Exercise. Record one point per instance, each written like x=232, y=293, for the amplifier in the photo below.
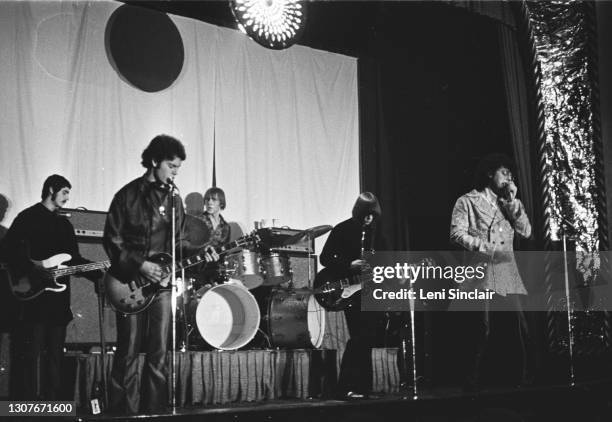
x=280, y=234
x=87, y=224
x=84, y=329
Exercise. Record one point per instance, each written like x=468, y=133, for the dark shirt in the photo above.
x=344, y=244
x=38, y=233
x=137, y=227
x=216, y=236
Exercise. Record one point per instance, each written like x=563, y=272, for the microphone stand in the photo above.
x=412, y=303
x=173, y=300
x=570, y=329
x=101, y=295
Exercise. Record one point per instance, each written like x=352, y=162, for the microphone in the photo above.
x=506, y=193
x=170, y=182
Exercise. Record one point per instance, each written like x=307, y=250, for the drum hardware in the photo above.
x=307, y=235
x=266, y=336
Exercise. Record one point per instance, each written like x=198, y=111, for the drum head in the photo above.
x=227, y=316
x=316, y=322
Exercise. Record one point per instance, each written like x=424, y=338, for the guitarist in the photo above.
x=138, y=226
x=38, y=233
x=343, y=253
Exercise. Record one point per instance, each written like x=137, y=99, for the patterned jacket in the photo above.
x=479, y=225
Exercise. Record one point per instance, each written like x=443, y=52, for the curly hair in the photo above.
x=162, y=147
x=488, y=165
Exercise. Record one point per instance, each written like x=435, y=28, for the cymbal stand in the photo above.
x=309, y=255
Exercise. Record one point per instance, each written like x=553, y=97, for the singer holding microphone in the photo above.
x=486, y=220
x=138, y=226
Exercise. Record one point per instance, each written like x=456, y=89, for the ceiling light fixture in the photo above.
x=275, y=24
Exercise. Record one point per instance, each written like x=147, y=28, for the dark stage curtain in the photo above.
x=439, y=88
x=432, y=103
x=518, y=114
x=379, y=172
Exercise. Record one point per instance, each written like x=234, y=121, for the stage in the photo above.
x=583, y=402
x=299, y=385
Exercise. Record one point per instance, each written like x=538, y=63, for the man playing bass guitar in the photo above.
x=37, y=234
x=139, y=226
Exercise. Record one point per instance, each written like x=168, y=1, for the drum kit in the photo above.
x=251, y=292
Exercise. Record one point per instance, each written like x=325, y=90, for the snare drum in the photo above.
x=226, y=315
x=276, y=269
x=295, y=320
x=246, y=267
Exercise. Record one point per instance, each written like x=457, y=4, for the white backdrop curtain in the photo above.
x=285, y=122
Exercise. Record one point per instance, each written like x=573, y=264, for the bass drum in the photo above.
x=295, y=320
x=226, y=316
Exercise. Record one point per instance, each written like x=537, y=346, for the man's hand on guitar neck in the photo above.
x=154, y=272
x=210, y=254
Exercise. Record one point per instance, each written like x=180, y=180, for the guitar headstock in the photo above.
x=248, y=240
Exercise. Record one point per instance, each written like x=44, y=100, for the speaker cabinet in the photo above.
x=84, y=329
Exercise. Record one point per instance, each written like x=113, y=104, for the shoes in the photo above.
x=354, y=396
x=405, y=386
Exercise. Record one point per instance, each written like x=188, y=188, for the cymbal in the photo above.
x=307, y=234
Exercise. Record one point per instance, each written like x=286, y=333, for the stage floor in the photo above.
x=589, y=401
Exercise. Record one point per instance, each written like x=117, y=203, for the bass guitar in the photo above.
x=134, y=296
x=43, y=275
x=334, y=293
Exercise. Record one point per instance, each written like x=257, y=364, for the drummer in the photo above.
x=211, y=228
x=218, y=230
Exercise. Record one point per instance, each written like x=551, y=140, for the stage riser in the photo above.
x=206, y=378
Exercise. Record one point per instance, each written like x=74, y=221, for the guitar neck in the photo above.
x=354, y=279
x=201, y=257
x=83, y=268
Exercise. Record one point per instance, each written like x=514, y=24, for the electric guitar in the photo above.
x=334, y=293
x=43, y=276
x=134, y=296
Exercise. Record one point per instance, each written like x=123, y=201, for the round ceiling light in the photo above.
x=274, y=24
